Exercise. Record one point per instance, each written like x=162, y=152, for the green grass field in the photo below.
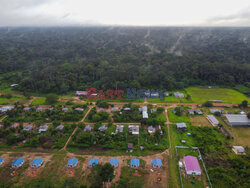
x=39, y=101
x=201, y=95
x=177, y=119
x=12, y=100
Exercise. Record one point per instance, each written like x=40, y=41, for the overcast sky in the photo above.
x=125, y=12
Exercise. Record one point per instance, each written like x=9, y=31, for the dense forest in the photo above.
x=67, y=59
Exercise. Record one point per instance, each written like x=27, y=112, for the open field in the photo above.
x=199, y=121
x=201, y=95
x=177, y=119
x=13, y=100
x=38, y=101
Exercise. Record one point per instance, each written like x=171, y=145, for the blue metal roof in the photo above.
x=156, y=163
x=114, y=162
x=37, y=162
x=93, y=161
x=134, y=162
x=1, y=160
x=72, y=162
x=18, y=162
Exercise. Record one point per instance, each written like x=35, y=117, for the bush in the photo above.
x=208, y=104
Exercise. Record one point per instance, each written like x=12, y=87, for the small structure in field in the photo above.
x=6, y=108
x=192, y=165
x=65, y=109
x=14, y=125
x=81, y=93
x=119, y=129
x=151, y=129
x=144, y=112
x=178, y=95
x=28, y=128
x=60, y=127
x=156, y=163
x=237, y=120
x=181, y=126
x=154, y=94
x=213, y=111
x=100, y=110
x=166, y=94
x=1, y=161
x=213, y=120
x=79, y=109
x=114, y=162
x=17, y=163
x=130, y=146
x=134, y=129
x=93, y=162
x=36, y=163
x=87, y=128
x=39, y=109
x=102, y=128
x=72, y=163
x=134, y=163
x=27, y=109
x=43, y=128
x=195, y=111
x=114, y=109
x=239, y=150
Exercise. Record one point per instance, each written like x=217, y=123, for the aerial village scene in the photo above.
x=174, y=141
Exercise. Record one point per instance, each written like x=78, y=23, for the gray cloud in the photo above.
x=242, y=18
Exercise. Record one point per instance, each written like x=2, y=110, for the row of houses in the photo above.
x=36, y=163
x=42, y=128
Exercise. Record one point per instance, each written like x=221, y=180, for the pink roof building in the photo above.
x=192, y=165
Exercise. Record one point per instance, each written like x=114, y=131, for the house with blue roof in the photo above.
x=17, y=163
x=93, y=162
x=134, y=163
x=72, y=163
x=156, y=163
x=1, y=161
x=114, y=162
x=36, y=163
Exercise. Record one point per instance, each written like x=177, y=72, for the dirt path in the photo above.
x=66, y=144
x=5, y=116
x=86, y=114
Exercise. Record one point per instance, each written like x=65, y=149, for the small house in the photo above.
x=119, y=129
x=114, y=162
x=39, y=109
x=181, y=127
x=60, y=127
x=72, y=163
x=114, y=109
x=153, y=110
x=17, y=163
x=81, y=93
x=87, y=128
x=79, y=109
x=192, y=165
x=1, y=161
x=134, y=129
x=178, y=95
x=151, y=129
x=6, y=108
x=1, y=126
x=36, y=163
x=27, y=128
x=27, y=109
x=127, y=109
x=65, y=109
x=213, y=111
x=166, y=94
x=156, y=163
x=134, y=163
x=213, y=120
x=14, y=125
x=43, y=128
x=93, y=162
x=102, y=128
x=147, y=93
x=154, y=94
x=239, y=150
x=100, y=110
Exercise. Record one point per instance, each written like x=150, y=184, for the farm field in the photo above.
x=13, y=100
x=177, y=119
x=199, y=121
x=201, y=95
x=38, y=101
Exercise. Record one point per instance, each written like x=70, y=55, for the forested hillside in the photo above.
x=65, y=59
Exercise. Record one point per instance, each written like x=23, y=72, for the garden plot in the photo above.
x=199, y=121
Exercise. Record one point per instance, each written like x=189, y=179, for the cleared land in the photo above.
x=241, y=135
x=199, y=121
x=201, y=95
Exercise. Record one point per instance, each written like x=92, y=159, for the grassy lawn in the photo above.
x=177, y=119
x=12, y=100
x=39, y=101
x=201, y=95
